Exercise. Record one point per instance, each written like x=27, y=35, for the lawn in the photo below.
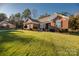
x=31, y=43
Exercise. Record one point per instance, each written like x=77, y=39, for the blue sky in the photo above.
x=38, y=8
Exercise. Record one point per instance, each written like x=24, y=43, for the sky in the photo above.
x=38, y=9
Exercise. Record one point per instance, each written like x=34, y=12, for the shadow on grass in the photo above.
x=7, y=37
x=71, y=33
x=74, y=33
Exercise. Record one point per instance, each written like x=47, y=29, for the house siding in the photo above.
x=5, y=24
x=31, y=24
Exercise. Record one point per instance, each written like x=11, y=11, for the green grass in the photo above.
x=31, y=43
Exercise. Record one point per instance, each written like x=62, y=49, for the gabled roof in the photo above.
x=48, y=18
x=31, y=21
x=52, y=17
x=34, y=20
x=5, y=22
x=66, y=17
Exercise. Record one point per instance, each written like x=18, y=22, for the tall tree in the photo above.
x=12, y=19
x=46, y=13
x=3, y=16
x=27, y=13
x=19, y=24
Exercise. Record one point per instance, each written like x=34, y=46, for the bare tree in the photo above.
x=34, y=13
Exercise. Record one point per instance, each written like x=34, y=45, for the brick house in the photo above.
x=54, y=21
x=48, y=23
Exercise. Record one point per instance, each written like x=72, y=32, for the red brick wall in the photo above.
x=64, y=23
x=52, y=24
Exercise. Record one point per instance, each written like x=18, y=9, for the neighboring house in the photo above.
x=31, y=24
x=6, y=25
x=54, y=21
x=48, y=23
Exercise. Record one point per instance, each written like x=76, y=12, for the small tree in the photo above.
x=2, y=16
x=17, y=15
x=44, y=15
x=74, y=22
x=64, y=13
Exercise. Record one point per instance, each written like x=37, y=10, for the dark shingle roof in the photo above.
x=34, y=20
